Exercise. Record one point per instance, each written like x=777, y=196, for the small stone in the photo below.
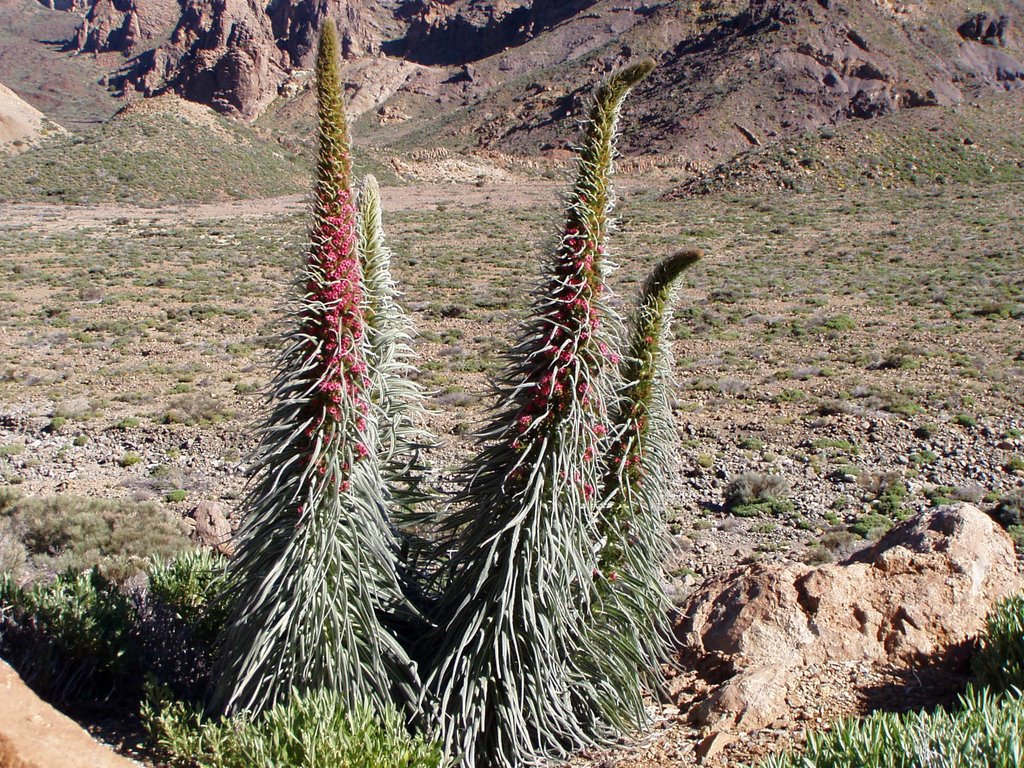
x=711, y=746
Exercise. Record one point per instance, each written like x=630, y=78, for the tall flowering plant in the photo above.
x=399, y=399
x=315, y=582
x=536, y=604
x=521, y=672
x=628, y=603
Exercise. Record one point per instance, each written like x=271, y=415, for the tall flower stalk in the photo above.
x=315, y=580
x=629, y=602
x=513, y=680
x=399, y=399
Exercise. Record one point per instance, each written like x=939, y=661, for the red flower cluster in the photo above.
x=339, y=323
x=569, y=352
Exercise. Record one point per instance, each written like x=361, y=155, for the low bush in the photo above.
x=62, y=533
x=751, y=494
x=71, y=638
x=83, y=637
x=983, y=732
x=1009, y=513
x=307, y=732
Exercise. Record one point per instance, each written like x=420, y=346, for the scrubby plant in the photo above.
x=999, y=662
x=984, y=730
x=70, y=638
x=60, y=533
x=1009, y=509
x=85, y=637
x=752, y=493
x=309, y=731
x=315, y=579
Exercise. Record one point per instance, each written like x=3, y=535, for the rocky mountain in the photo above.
x=508, y=75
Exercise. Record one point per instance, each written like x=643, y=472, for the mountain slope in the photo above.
x=511, y=75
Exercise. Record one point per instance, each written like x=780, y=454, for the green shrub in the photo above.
x=62, y=533
x=965, y=420
x=83, y=638
x=984, y=731
x=189, y=586
x=1009, y=513
x=129, y=459
x=70, y=638
x=999, y=662
x=309, y=731
x=889, y=491
x=871, y=526
x=751, y=494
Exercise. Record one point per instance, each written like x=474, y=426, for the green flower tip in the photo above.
x=327, y=50
x=670, y=268
x=613, y=90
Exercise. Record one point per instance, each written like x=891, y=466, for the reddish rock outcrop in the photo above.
x=125, y=26
x=35, y=735
x=66, y=5
x=922, y=592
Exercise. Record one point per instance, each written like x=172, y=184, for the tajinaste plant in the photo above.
x=400, y=400
x=629, y=605
x=315, y=583
x=515, y=679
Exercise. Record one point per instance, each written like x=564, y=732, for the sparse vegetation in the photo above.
x=752, y=493
x=306, y=732
x=62, y=533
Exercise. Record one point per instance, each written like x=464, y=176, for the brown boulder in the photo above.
x=211, y=527
x=35, y=735
x=922, y=591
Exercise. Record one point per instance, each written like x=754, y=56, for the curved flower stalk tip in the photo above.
x=314, y=583
x=511, y=680
x=629, y=598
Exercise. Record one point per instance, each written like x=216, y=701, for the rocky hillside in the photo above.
x=511, y=75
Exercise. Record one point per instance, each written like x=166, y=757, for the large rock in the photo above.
x=233, y=55
x=35, y=735
x=124, y=26
x=923, y=591
x=210, y=527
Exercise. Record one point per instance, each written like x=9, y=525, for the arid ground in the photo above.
x=830, y=346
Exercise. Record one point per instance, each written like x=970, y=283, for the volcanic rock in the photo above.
x=35, y=735
x=124, y=26
x=922, y=592
x=211, y=527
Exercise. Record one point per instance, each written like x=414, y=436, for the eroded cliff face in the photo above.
x=731, y=74
x=234, y=55
x=454, y=33
x=124, y=26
